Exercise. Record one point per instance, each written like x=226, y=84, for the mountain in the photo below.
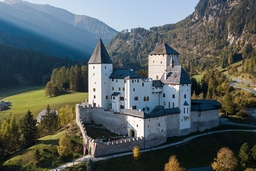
x=64, y=30
x=218, y=31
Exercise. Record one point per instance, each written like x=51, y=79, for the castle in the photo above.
x=145, y=110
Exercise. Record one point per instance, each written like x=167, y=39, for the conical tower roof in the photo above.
x=164, y=49
x=100, y=55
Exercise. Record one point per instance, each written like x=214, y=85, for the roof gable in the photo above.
x=100, y=55
x=164, y=49
x=121, y=74
x=176, y=75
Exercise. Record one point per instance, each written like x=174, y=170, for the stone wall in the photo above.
x=114, y=122
x=173, y=125
x=112, y=147
x=204, y=120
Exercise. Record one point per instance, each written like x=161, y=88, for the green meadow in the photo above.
x=34, y=99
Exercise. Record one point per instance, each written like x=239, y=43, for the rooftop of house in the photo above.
x=176, y=75
x=100, y=55
x=164, y=49
x=124, y=73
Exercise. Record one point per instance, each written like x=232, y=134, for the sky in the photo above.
x=127, y=14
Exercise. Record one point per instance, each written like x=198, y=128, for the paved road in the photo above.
x=234, y=84
x=223, y=121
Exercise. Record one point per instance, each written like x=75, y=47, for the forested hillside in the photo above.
x=218, y=32
x=22, y=67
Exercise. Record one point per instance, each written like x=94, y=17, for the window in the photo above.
x=105, y=74
x=161, y=61
x=113, y=88
x=116, y=80
x=112, y=79
x=121, y=98
x=138, y=80
x=169, y=104
x=133, y=89
x=124, y=81
x=132, y=81
x=164, y=95
x=106, y=97
x=184, y=110
x=153, y=61
x=119, y=88
x=172, y=104
x=187, y=109
x=136, y=98
x=134, y=107
x=164, y=103
x=113, y=97
x=157, y=77
x=173, y=96
x=94, y=97
x=147, y=98
x=142, y=84
x=105, y=67
x=93, y=67
x=123, y=89
x=122, y=107
x=185, y=96
x=158, y=124
x=93, y=74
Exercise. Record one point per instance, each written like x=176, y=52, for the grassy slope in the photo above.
x=197, y=153
x=35, y=101
x=198, y=77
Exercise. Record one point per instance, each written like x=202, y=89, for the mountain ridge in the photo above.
x=40, y=20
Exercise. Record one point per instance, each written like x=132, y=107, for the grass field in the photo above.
x=33, y=99
x=197, y=153
x=198, y=77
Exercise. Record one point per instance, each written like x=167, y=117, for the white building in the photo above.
x=152, y=108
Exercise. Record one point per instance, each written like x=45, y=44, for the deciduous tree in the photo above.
x=225, y=161
x=136, y=152
x=65, y=146
x=173, y=165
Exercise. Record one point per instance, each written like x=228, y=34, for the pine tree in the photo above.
x=227, y=103
x=90, y=165
x=29, y=130
x=245, y=154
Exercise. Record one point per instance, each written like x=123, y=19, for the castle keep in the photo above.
x=145, y=110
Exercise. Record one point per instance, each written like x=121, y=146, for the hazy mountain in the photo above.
x=66, y=32
x=216, y=29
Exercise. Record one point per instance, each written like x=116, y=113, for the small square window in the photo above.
x=133, y=89
x=185, y=95
x=173, y=96
x=119, y=88
x=113, y=88
x=123, y=89
x=94, y=89
x=94, y=97
x=136, y=98
x=142, y=84
x=164, y=95
x=106, y=97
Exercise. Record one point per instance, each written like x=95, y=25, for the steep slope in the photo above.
x=214, y=29
x=52, y=24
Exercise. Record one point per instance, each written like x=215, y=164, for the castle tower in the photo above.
x=100, y=68
x=159, y=60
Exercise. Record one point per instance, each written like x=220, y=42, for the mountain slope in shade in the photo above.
x=52, y=24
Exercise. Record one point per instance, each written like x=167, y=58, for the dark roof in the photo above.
x=161, y=111
x=158, y=111
x=203, y=105
x=164, y=49
x=100, y=55
x=121, y=74
x=157, y=83
x=176, y=75
x=115, y=94
x=185, y=104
